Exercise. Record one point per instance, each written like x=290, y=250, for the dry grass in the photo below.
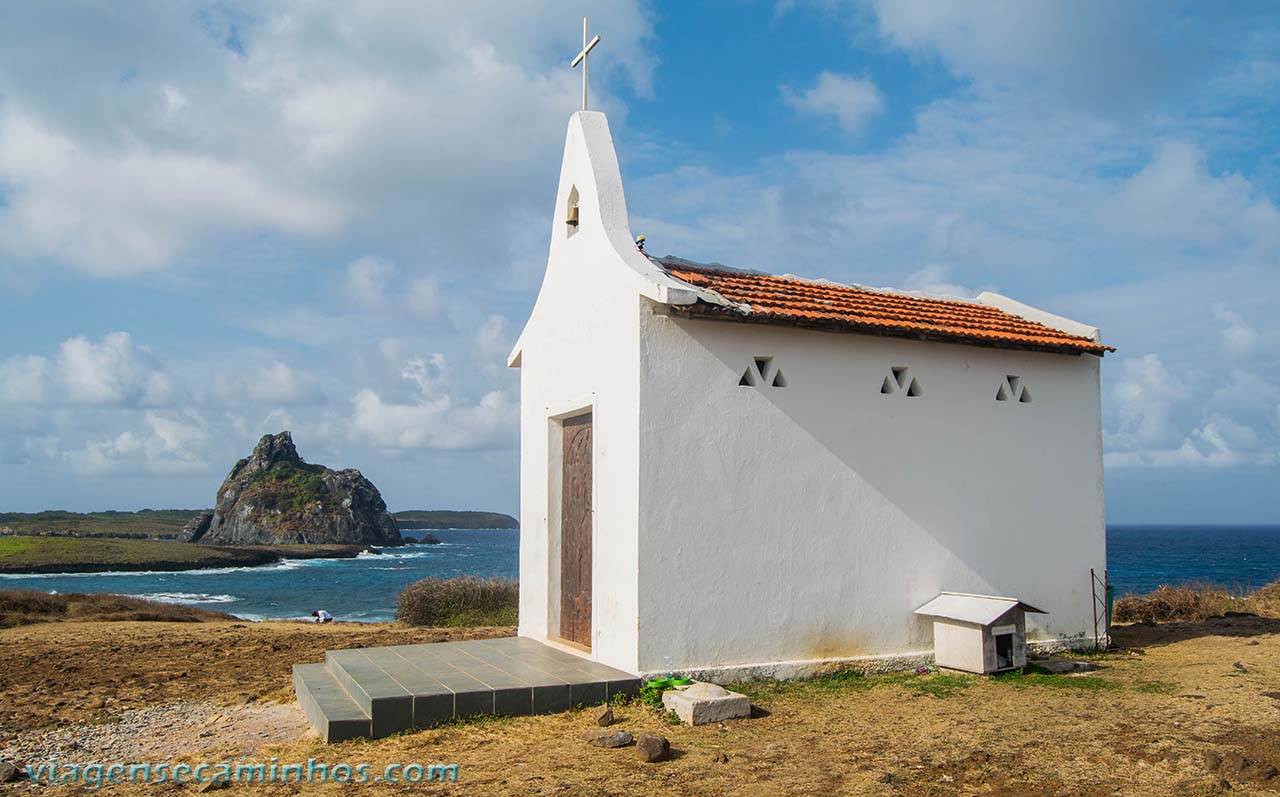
x=459, y=602
x=1194, y=603
x=22, y=607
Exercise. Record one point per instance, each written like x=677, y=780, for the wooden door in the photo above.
x=575, y=532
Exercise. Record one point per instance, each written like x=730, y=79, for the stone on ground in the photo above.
x=604, y=738
x=703, y=702
x=9, y=773
x=604, y=716
x=652, y=748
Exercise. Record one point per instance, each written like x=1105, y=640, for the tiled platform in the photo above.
x=375, y=692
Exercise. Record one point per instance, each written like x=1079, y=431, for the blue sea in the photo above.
x=1140, y=558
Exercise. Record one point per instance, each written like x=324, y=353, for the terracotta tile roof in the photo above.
x=793, y=301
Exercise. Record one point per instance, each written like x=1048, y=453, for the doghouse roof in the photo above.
x=977, y=609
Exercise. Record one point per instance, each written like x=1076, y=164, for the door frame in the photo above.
x=556, y=415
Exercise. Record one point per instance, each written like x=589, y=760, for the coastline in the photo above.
x=81, y=555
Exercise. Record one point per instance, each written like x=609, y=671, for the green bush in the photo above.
x=462, y=601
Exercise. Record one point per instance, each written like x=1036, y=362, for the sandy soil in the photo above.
x=1187, y=709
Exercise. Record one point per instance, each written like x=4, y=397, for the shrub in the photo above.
x=462, y=601
x=1191, y=603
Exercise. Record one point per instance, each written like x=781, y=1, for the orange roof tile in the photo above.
x=789, y=300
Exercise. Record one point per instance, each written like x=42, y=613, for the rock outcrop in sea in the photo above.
x=273, y=497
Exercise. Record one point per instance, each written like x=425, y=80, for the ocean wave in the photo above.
x=182, y=597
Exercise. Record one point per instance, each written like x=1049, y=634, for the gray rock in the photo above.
x=9, y=773
x=652, y=748
x=213, y=785
x=603, y=738
x=603, y=716
x=197, y=527
x=274, y=497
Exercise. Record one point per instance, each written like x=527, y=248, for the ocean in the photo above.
x=1140, y=558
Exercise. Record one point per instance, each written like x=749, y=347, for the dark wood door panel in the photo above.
x=575, y=531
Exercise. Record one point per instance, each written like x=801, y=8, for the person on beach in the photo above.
x=321, y=616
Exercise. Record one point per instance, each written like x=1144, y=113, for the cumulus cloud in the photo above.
x=184, y=125
x=1094, y=52
x=1174, y=197
x=849, y=100
x=111, y=371
x=1146, y=397
x=430, y=417
x=166, y=443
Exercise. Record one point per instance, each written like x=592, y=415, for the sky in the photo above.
x=223, y=219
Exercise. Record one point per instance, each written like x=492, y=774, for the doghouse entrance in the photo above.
x=1004, y=651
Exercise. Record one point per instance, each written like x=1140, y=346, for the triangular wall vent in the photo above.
x=900, y=380
x=762, y=373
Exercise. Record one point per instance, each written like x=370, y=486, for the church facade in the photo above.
x=734, y=474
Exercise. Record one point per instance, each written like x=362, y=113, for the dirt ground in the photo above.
x=1183, y=709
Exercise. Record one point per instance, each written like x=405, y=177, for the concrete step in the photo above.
x=376, y=692
x=388, y=704
x=328, y=706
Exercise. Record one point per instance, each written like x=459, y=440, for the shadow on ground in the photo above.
x=1233, y=624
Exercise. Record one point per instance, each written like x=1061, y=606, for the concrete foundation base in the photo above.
x=701, y=703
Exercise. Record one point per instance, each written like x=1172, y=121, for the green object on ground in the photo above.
x=681, y=681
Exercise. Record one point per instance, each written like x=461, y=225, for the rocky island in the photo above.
x=274, y=497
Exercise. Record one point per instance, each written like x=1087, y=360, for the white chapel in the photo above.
x=733, y=474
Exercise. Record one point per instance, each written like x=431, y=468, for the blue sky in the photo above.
x=223, y=219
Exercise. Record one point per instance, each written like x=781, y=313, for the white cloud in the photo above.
x=429, y=416
x=23, y=379
x=1220, y=442
x=1174, y=198
x=113, y=371
x=131, y=210
x=1146, y=396
x=435, y=423
x=422, y=298
x=850, y=101
x=369, y=279
x=167, y=443
x=935, y=279
x=278, y=383
x=1094, y=52
x=1238, y=337
x=302, y=120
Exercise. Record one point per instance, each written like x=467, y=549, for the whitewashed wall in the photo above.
x=580, y=351
x=743, y=526
x=805, y=523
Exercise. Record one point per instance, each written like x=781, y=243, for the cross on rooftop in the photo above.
x=582, y=58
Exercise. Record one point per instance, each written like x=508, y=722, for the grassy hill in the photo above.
x=155, y=524
x=80, y=555
x=453, y=519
